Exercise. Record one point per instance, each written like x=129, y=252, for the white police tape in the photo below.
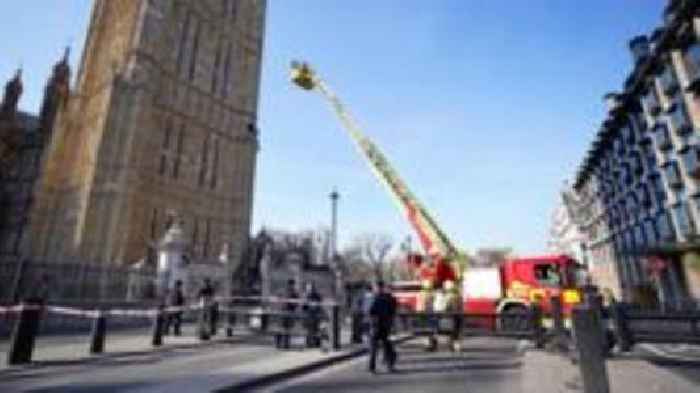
x=72, y=311
x=18, y=308
x=170, y=309
x=276, y=299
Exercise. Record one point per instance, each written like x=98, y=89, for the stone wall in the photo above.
x=164, y=119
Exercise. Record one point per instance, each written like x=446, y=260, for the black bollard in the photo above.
x=24, y=335
x=558, y=324
x=591, y=357
x=622, y=332
x=538, y=335
x=231, y=318
x=158, y=322
x=335, y=327
x=97, y=336
x=214, y=319
x=456, y=334
x=264, y=321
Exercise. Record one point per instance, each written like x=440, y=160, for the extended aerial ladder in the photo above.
x=435, y=242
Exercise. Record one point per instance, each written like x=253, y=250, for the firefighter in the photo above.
x=453, y=304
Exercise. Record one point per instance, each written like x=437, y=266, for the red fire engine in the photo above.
x=507, y=288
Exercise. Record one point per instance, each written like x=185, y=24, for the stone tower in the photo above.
x=163, y=119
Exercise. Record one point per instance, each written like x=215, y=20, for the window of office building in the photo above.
x=683, y=219
x=657, y=186
x=668, y=81
x=672, y=174
x=650, y=231
x=664, y=227
x=627, y=174
x=650, y=100
x=640, y=239
x=678, y=117
x=662, y=137
x=691, y=161
x=644, y=195
x=637, y=162
x=691, y=60
x=628, y=136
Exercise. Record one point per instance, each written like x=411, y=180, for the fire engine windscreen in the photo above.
x=481, y=283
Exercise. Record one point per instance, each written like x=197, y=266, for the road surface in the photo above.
x=488, y=365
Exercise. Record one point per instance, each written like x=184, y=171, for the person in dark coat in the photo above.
x=313, y=310
x=284, y=339
x=382, y=313
x=175, y=299
x=206, y=298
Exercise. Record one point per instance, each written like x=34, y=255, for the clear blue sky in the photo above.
x=485, y=108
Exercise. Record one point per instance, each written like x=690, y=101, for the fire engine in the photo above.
x=444, y=270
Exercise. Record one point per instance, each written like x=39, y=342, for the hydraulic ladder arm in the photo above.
x=435, y=242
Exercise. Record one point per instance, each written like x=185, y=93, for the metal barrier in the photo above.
x=455, y=325
x=634, y=325
x=318, y=322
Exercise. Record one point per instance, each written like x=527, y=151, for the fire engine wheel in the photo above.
x=514, y=318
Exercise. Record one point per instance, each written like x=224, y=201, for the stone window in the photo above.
x=154, y=224
x=195, y=235
x=178, y=153
x=207, y=234
x=204, y=163
x=183, y=41
x=231, y=7
x=217, y=65
x=195, y=51
x=225, y=88
x=215, y=165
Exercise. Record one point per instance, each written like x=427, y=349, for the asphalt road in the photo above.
x=485, y=365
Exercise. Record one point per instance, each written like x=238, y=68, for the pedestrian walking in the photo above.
x=313, y=311
x=206, y=298
x=176, y=299
x=382, y=312
x=291, y=296
x=366, y=304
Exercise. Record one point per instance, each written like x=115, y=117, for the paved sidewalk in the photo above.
x=546, y=372
x=181, y=364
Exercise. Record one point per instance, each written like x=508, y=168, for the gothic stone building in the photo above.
x=162, y=121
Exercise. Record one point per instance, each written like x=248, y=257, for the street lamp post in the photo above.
x=334, y=223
